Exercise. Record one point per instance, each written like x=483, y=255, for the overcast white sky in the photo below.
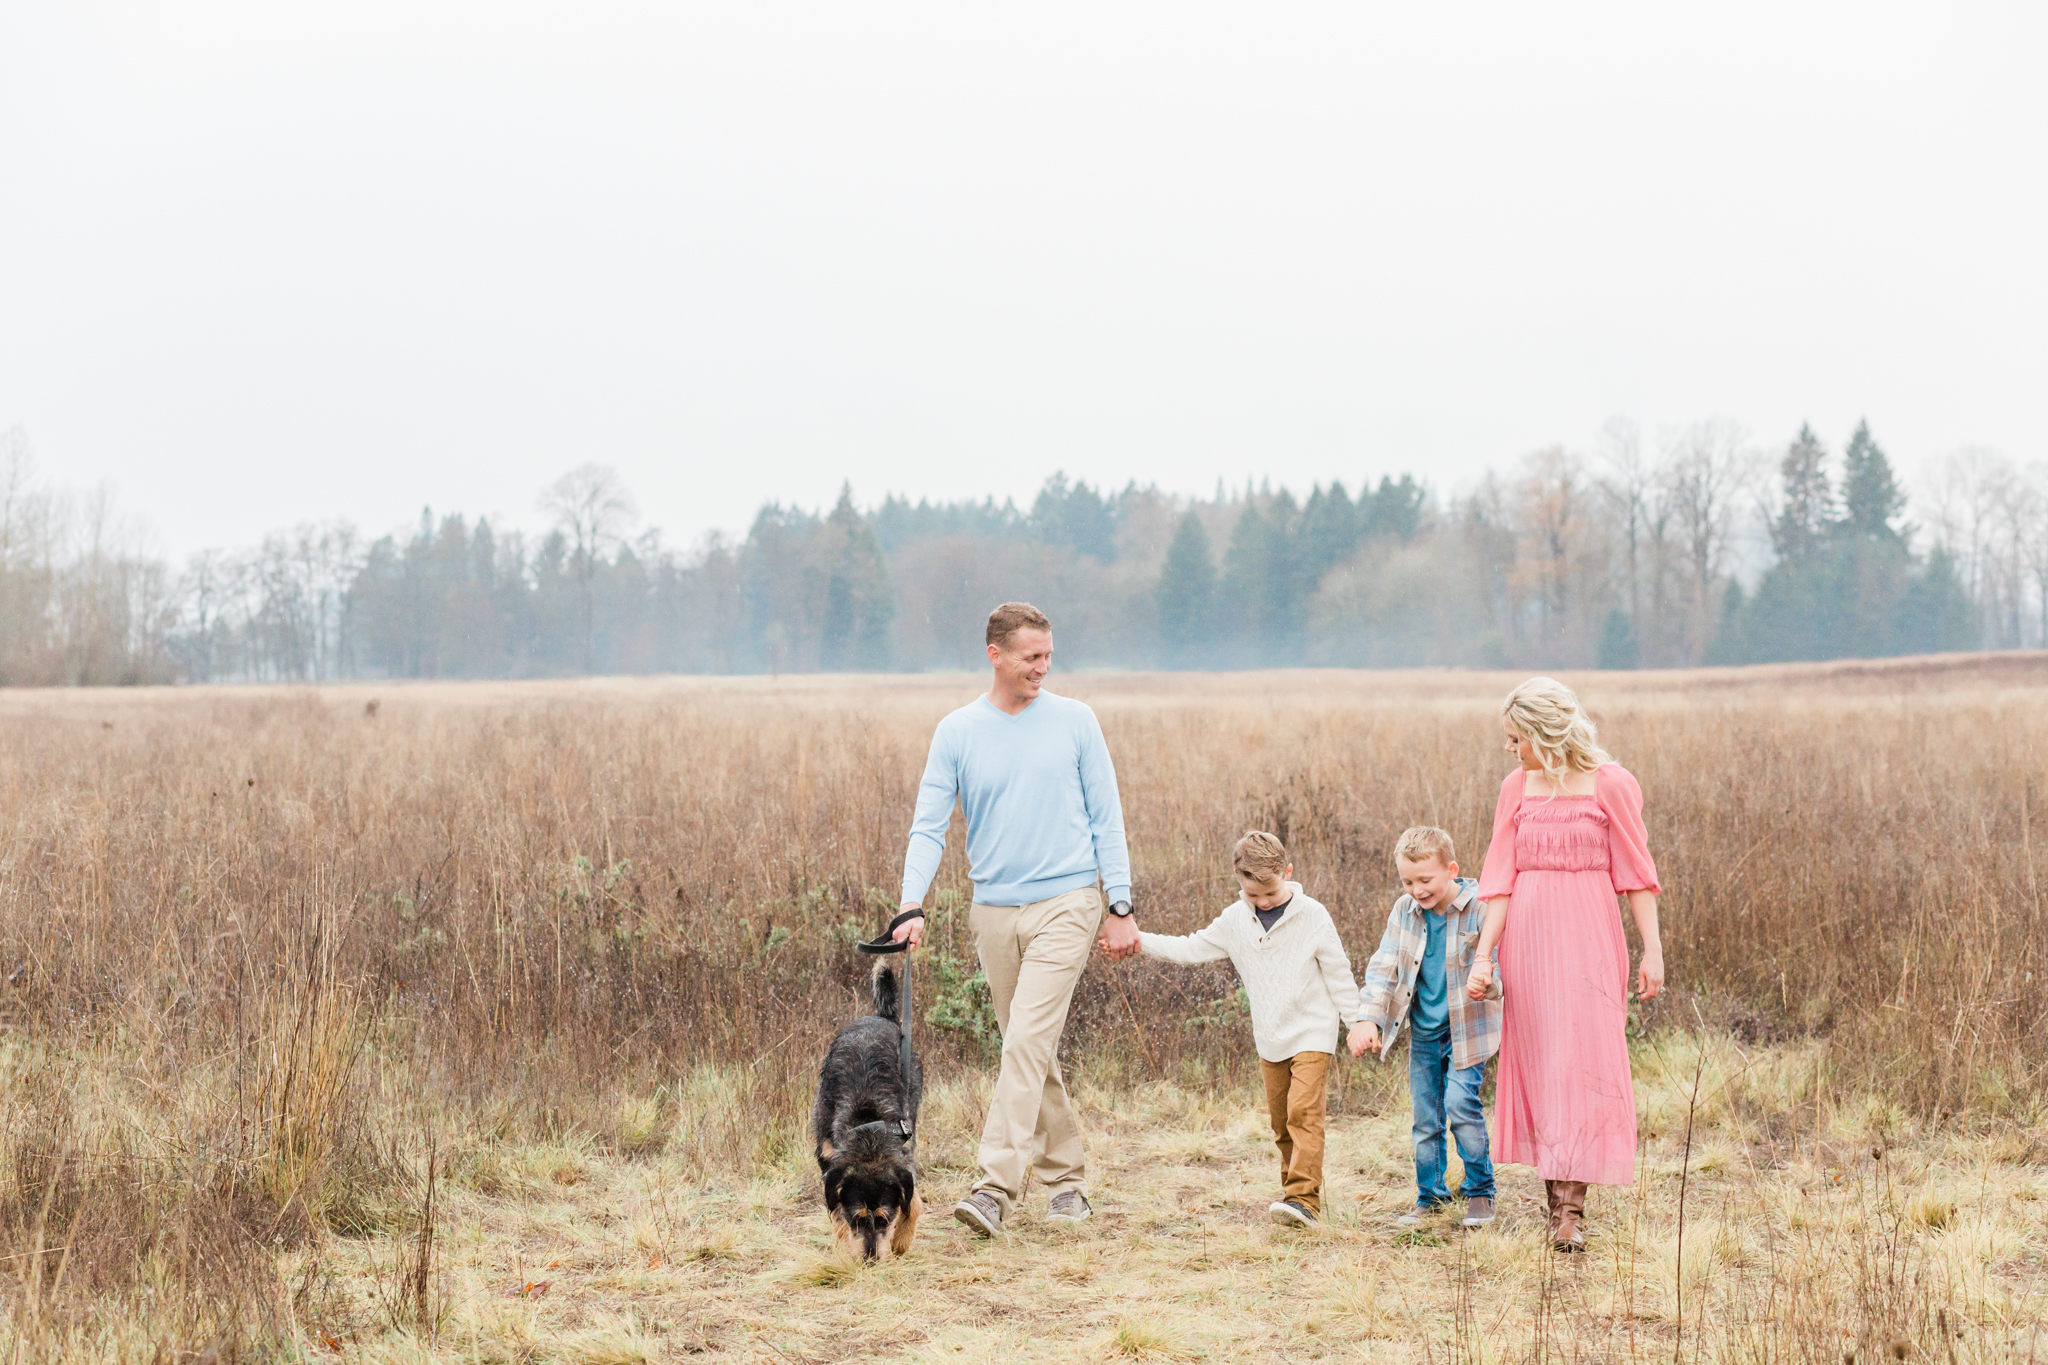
x=269, y=263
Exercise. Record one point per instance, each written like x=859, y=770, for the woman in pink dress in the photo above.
x=1568, y=838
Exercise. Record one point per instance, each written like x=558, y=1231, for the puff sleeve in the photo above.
x=1628, y=841
x=1498, y=877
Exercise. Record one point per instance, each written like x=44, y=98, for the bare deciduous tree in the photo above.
x=204, y=597
x=592, y=509
x=1631, y=490
x=2033, y=543
x=1972, y=494
x=1562, y=548
x=1707, y=472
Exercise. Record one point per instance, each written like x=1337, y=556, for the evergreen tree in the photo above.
x=429, y=608
x=775, y=580
x=1792, y=614
x=1292, y=582
x=1730, y=644
x=898, y=523
x=552, y=647
x=1251, y=567
x=1618, y=647
x=1076, y=516
x=1808, y=513
x=1934, y=615
x=854, y=629
x=1871, y=496
x=1329, y=530
x=1392, y=509
x=1186, y=596
x=1266, y=583
x=377, y=598
x=1873, y=568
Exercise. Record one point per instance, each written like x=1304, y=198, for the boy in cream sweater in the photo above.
x=1298, y=980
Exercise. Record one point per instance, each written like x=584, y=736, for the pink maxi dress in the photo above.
x=1564, y=1100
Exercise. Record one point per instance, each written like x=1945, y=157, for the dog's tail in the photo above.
x=883, y=986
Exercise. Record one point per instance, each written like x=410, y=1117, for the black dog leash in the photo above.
x=883, y=944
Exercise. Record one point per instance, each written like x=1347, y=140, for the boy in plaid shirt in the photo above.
x=1423, y=957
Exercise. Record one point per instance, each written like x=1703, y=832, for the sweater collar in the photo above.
x=1286, y=910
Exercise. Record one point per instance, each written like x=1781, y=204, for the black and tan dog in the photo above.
x=865, y=1124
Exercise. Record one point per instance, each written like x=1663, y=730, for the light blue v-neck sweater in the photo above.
x=1043, y=815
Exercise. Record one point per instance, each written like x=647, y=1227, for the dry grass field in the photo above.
x=478, y=1022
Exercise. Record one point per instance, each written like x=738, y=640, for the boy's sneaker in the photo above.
x=1070, y=1207
x=1291, y=1214
x=1478, y=1211
x=981, y=1212
x=1415, y=1217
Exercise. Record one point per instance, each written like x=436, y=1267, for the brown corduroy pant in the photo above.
x=1294, y=1101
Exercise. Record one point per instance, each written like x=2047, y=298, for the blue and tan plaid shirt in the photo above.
x=1390, y=977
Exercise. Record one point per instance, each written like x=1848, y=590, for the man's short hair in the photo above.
x=1260, y=855
x=1012, y=617
x=1420, y=844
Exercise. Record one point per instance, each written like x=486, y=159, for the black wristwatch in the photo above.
x=1121, y=909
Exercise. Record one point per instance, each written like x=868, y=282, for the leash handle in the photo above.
x=883, y=943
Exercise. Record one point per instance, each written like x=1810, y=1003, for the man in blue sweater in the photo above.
x=1043, y=824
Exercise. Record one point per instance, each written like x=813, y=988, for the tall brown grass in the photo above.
x=255, y=945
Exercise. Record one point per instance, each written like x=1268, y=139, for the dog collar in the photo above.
x=904, y=1127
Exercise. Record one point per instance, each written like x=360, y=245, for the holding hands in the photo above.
x=1119, y=936
x=1481, y=979
x=1365, y=1037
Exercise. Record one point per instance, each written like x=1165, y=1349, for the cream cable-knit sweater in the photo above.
x=1297, y=977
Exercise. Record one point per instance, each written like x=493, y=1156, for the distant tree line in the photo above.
x=1705, y=550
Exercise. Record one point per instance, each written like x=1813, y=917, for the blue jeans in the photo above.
x=1443, y=1095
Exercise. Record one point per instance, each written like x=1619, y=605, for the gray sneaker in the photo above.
x=1415, y=1217
x=981, y=1212
x=1290, y=1213
x=1478, y=1211
x=1069, y=1207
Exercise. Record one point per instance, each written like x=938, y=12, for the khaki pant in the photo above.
x=1032, y=955
x=1294, y=1101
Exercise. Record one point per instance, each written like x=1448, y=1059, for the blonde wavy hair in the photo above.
x=1260, y=855
x=1547, y=713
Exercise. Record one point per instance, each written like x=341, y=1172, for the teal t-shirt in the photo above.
x=1431, y=1013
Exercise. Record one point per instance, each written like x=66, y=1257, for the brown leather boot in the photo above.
x=1568, y=1226
x=1550, y=1205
